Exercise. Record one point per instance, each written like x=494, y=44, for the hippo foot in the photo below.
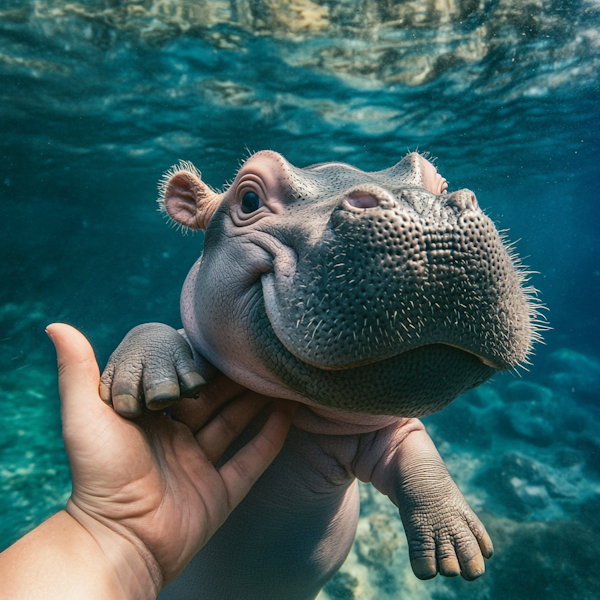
x=151, y=368
x=444, y=534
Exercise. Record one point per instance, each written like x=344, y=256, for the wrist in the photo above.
x=133, y=567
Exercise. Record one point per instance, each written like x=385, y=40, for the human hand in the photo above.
x=151, y=484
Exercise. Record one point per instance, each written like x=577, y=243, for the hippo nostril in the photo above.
x=462, y=200
x=362, y=200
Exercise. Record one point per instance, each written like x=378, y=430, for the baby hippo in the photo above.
x=371, y=298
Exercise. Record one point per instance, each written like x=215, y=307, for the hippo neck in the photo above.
x=326, y=421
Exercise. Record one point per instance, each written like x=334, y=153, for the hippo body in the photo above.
x=370, y=298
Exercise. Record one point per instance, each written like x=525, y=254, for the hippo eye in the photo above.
x=250, y=202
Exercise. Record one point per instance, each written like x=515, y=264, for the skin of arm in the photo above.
x=146, y=496
x=61, y=559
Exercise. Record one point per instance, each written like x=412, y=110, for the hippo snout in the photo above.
x=399, y=273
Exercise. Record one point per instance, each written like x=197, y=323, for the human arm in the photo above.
x=146, y=494
x=61, y=559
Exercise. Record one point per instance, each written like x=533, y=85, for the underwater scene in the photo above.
x=99, y=98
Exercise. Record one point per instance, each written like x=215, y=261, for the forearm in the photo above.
x=395, y=449
x=60, y=559
x=420, y=470
x=399, y=458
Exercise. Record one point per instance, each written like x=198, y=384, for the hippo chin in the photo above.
x=370, y=297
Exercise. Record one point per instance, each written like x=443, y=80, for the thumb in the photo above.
x=78, y=374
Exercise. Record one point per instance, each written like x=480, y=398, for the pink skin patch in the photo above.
x=362, y=200
x=432, y=181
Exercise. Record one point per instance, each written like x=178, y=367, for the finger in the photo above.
x=226, y=426
x=248, y=464
x=196, y=412
x=483, y=539
x=161, y=385
x=170, y=375
x=447, y=563
x=106, y=382
x=422, y=557
x=191, y=384
x=471, y=567
x=478, y=542
x=78, y=373
x=190, y=380
x=127, y=391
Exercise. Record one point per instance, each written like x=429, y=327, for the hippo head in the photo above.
x=365, y=292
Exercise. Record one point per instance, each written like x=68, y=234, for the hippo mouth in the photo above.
x=483, y=359
x=412, y=382
x=273, y=312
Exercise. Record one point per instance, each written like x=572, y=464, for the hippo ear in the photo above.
x=431, y=180
x=415, y=169
x=186, y=198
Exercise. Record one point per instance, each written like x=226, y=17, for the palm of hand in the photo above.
x=153, y=478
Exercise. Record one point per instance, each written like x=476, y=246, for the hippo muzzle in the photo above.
x=370, y=292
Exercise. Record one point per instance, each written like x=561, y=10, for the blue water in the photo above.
x=97, y=101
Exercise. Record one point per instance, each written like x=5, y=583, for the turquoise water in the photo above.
x=98, y=99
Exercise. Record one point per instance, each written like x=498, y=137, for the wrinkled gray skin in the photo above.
x=372, y=299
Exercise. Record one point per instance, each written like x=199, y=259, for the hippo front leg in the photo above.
x=444, y=534
x=152, y=367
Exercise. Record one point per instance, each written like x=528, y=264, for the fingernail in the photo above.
x=49, y=334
